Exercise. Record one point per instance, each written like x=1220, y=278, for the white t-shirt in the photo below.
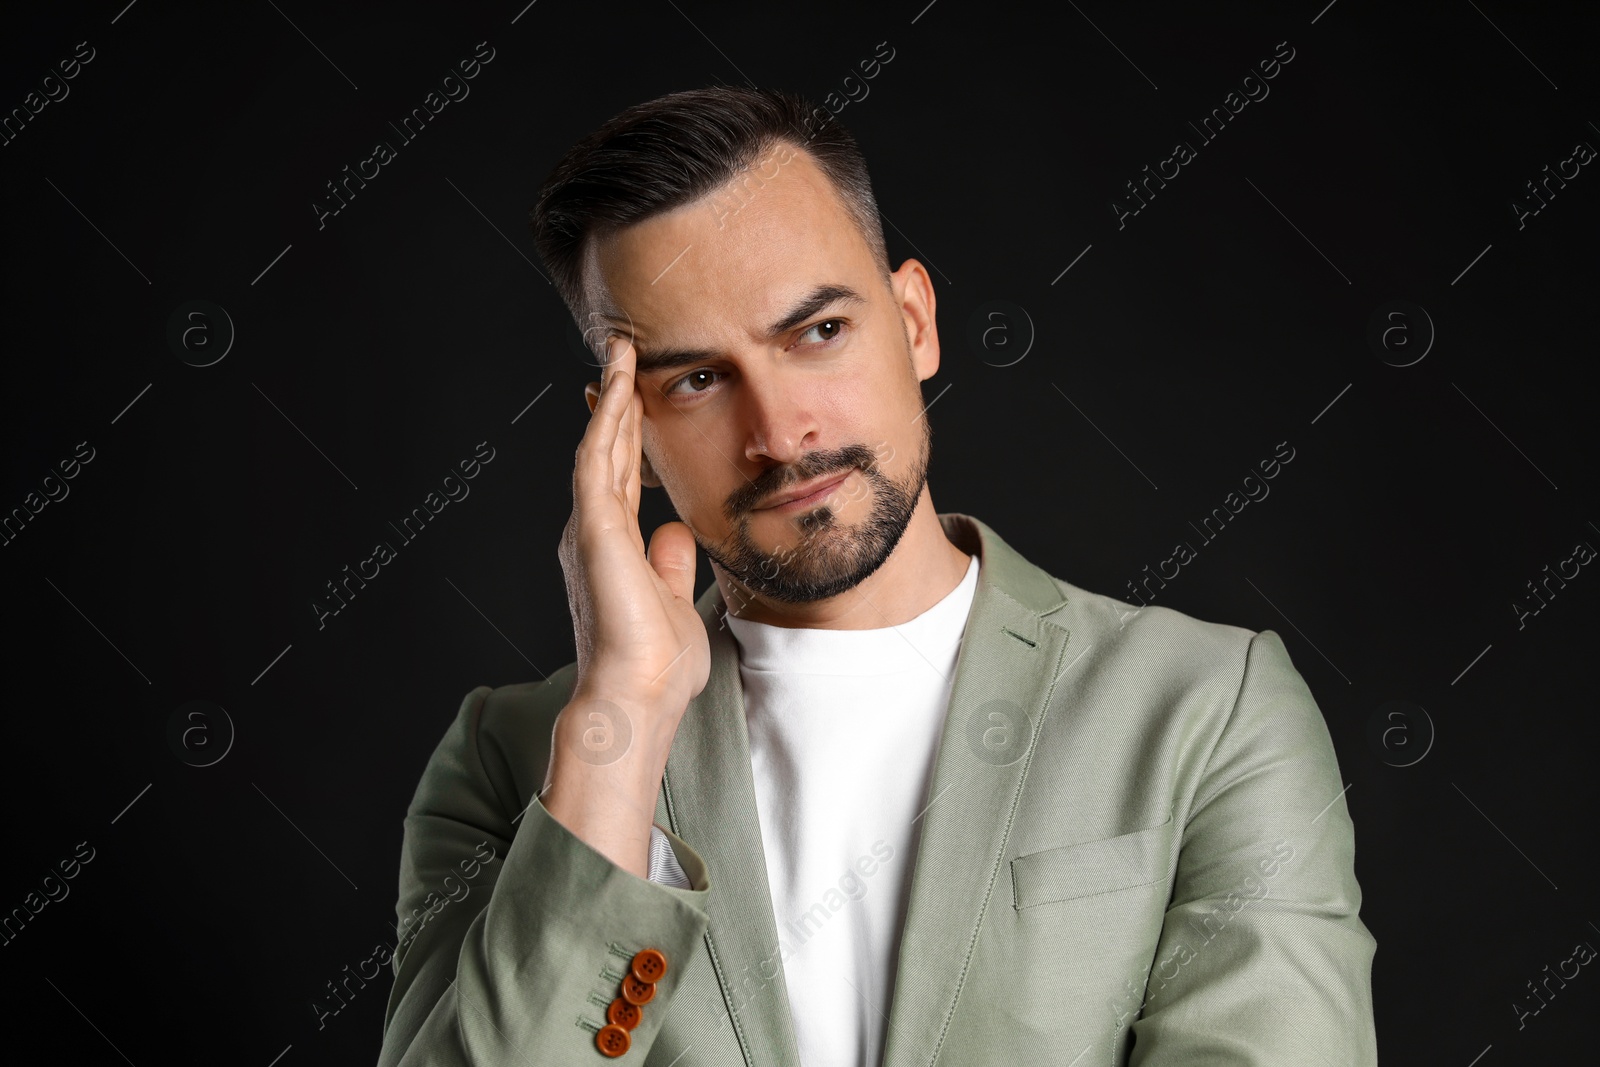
x=844, y=728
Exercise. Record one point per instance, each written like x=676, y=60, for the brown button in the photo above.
x=613, y=1040
x=649, y=965
x=637, y=992
x=624, y=1014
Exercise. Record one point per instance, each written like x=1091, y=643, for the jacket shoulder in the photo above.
x=1166, y=635
x=1175, y=671
x=509, y=709
x=509, y=730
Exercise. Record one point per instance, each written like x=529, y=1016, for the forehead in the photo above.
x=732, y=259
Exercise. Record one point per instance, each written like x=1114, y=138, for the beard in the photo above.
x=832, y=557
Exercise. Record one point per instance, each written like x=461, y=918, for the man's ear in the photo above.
x=647, y=474
x=913, y=290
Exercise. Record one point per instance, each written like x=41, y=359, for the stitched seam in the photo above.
x=1011, y=818
x=1243, y=671
x=716, y=963
x=738, y=1023
x=477, y=755
x=474, y=720
x=1016, y=898
x=1025, y=640
x=1030, y=611
x=1101, y=842
x=1061, y=589
x=599, y=1000
x=1086, y=896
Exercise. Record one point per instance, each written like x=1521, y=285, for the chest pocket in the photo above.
x=1089, y=868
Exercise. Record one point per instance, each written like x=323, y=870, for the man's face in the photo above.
x=771, y=352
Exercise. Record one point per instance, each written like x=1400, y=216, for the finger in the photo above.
x=635, y=479
x=672, y=556
x=636, y=435
x=596, y=466
x=632, y=443
x=619, y=356
x=638, y=430
x=625, y=448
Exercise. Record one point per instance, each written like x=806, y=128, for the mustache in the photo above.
x=817, y=465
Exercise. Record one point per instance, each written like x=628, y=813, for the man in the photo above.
x=887, y=792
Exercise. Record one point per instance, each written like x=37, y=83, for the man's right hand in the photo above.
x=642, y=648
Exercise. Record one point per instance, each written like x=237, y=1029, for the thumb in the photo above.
x=671, y=553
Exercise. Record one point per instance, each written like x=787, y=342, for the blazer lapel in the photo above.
x=1010, y=660
x=708, y=798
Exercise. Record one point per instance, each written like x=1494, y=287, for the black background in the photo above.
x=1229, y=315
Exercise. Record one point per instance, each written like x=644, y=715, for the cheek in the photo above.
x=687, y=464
x=658, y=416
x=884, y=413
x=661, y=454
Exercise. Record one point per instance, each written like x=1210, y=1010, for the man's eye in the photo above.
x=691, y=376
x=825, y=331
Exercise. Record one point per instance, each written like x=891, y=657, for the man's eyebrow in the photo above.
x=819, y=299
x=823, y=296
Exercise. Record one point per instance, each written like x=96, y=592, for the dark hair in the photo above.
x=671, y=151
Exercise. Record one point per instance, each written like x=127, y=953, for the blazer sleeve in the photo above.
x=515, y=934
x=1263, y=958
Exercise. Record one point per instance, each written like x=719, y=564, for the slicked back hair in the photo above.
x=675, y=149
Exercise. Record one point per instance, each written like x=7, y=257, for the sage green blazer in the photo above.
x=1137, y=851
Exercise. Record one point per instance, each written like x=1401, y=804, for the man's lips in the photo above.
x=802, y=493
